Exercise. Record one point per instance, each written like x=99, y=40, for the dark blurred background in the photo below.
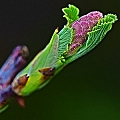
x=87, y=89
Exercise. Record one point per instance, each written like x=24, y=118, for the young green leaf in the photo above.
x=65, y=38
x=95, y=36
x=71, y=14
x=69, y=44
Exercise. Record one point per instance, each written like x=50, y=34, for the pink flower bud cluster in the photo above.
x=82, y=27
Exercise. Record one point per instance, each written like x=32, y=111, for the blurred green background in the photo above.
x=87, y=89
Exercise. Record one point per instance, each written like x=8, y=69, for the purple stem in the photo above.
x=11, y=67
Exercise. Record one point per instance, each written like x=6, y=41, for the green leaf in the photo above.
x=48, y=57
x=65, y=38
x=95, y=36
x=71, y=14
x=50, y=53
